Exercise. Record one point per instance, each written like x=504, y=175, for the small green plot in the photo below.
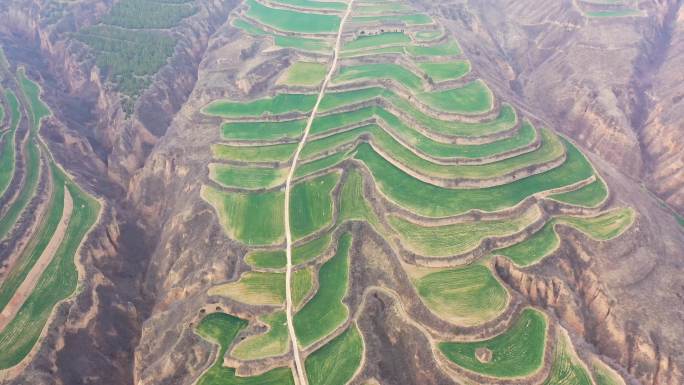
x=380, y=71
x=316, y=5
x=466, y=296
x=251, y=218
x=28, y=189
x=38, y=243
x=453, y=239
x=289, y=129
x=264, y=288
x=590, y=195
x=534, y=248
x=605, y=226
x=311, y=205
x=292, y=21
x=407, y=19
x=304, y=74
x=276, y=259
x=428, y=35
x=279, y=104
x=337, y=361
x=615, y=13
x=7, y=161
x=246, y=177
x=268, y=153
x=604, y=374
x=473, y=98
x=566, y=368
x=221, y=329
x=444, y=49
x=353, y=205
x=519, y=351
x=450, y=70
x=325, y=311
x=273, y=342
x=377, y=40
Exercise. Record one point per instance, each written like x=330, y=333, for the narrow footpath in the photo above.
x=301, y=378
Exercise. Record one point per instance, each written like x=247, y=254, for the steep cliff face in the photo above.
x=595, y=78
x=661, y=132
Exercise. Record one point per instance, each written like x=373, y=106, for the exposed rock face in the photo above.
x=613, y=84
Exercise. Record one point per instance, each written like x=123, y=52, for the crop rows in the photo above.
x=410, y=141
x=44, y=218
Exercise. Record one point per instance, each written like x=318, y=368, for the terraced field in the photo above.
x=44, y=218
x=381, y=129
x=599, y=9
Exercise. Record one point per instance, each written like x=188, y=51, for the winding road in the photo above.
x=301, y=378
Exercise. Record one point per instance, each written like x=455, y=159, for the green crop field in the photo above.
x=590, y=195
x=274, y=131
x=445, y=49
x=311, y=206
x=268, y=153
x=437, y=241
x=246, y=177
x=507, y=119
x=304, y=74
x=473, y=98
x=276, y=105
x=519, y=351
x=605, y=226
x=27, y=190
x=428, y=35
x=551, y=149
x=260, y=288
x=276, y=259
x=409, y=192
x=533, y=249
x=408, y=19
x=525, y=137
x=221, y=329
x=7, y=155
x=616, y=13
x=329, y=5
x=36, y=107
x=466, y=296
x=251, y=218
x=337, y=361
x=380, y=71
x=353, y=205
x=57, y=283
x=378, y=40
x=325, y=311
x=38, y=242
x=296, y=42
x=566, y=368
x=604, y=374
x=292, y=21
x=450, y=70
x=271, y=343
